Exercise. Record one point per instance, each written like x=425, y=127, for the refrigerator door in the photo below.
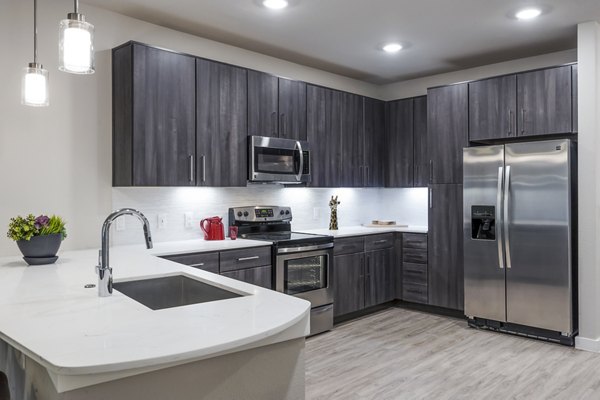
x=538, y=234
x=484, y=262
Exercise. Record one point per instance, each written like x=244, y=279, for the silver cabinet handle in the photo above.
x=248, y=258
x=522, y=121
x=196, y=265
x=203, y=168
x=510, y=122
x=380, y=241
x=191, y=162
x=499, y=220
x=430, y=198
x=282, y=131
x=298, y=146
x=274, y=123
x=506, y=216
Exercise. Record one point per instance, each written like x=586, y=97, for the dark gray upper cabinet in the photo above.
x=324, y=112
x=154, y=132
x=276, y=106
x=447, y=131
x=348, y=283
x=352, y=171
x=374, y=143
x=221, y=124
x=445, y=247
x=493, y=108
x=292, y=109
x=263, y=103
x=399, y=139
x=379, y=280
x=544, y=98
x=420, y=153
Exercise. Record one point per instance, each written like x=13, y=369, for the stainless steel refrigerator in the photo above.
x=519, y=229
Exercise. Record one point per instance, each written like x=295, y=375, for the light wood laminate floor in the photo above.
x=402, y=354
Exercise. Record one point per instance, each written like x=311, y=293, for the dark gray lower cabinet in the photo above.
x=259, y=276
x=445, y=247
x=349, y=283
x=379, y=277
x=204, y=261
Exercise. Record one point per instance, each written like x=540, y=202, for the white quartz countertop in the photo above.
x=46, y=313
x=348, y=231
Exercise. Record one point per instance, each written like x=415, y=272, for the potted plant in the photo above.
x=38, y=238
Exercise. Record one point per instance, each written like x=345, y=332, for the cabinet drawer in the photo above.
x=246, y=258
x=414, y=256
x=259, y=276
x=414, y=241
x=205, y=261
x=414, y=293
x=414, y=273
x=349, y=245
x=375, y=242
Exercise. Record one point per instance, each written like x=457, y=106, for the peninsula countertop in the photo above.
x=81, y=339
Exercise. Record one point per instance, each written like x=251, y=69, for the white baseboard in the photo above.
x=582, y=343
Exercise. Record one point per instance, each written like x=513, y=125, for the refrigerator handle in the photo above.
x=498, y=210
x=505, y=217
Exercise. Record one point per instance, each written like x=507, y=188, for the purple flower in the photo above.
x=41, y=221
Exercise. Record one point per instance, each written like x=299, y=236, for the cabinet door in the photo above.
x=493, y=108
x=545, y=101
x=324, y=110
x=292, y=109
x=575, y=99
x=259, y=276
x=399, y=126
x=352, y=130
x=445, y=247
x=379, y=277
x=420, y=153
x=374, y=143
x=447, y=131
x=222, y=124
x=348, y=283
x=164, y=128
x=262, y=104
x=398, y=265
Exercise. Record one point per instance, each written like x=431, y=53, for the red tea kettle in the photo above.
x=213, y=228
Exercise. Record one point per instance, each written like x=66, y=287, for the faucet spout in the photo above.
x=104, y=270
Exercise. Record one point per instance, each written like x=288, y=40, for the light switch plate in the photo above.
x=188, y=218
x=162, y=221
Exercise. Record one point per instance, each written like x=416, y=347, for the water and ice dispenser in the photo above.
x=483, y=222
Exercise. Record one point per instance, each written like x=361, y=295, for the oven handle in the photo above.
x=304, y=248
x=298, y=146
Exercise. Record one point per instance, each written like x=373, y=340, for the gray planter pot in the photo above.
x=40, y=246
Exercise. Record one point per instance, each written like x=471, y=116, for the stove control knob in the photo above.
x=245, y=213
x=287, y=212
x=239, y=214
x=281, y=212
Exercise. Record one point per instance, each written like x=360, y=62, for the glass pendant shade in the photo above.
x=34, y=88
x=76, y=45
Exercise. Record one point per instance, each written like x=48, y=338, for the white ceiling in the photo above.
x=343, y=36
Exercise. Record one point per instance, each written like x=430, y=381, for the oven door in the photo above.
x=278, y=160
x=306, y=274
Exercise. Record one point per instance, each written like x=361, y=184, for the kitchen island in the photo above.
x=59, y=340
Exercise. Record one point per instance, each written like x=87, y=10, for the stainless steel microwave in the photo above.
x=278, y=160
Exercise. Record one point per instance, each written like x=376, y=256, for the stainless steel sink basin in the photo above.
x=172, y=291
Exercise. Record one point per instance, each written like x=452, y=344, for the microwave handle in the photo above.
x=298, y=146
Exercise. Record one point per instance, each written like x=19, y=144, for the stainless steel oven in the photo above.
x=305, y=272
x=278, y=160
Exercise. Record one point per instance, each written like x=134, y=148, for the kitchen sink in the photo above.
x=172, y=291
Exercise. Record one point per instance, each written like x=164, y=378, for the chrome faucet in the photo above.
x=103, y=269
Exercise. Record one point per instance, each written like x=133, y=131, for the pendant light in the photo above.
x=76, y=44
x=34, y=87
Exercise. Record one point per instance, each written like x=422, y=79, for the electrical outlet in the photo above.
x=162, y=221
x=316, y=213
x=188, y=220
x=120, y=224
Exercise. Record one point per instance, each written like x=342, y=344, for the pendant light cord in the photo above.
x=76, y=6
x=35, y=31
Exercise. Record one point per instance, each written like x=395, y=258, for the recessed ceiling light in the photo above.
x=275, y=4
x=528, y=13
x=392, y=47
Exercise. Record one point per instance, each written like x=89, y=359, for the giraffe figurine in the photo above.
x=333, y=222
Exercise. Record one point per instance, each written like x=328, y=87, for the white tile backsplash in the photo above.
x=309, y=206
